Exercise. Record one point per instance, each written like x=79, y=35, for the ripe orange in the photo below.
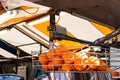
x=43, y=59
x=51, y=66
x=109, y=69
x=85, y=61
x=60, y=69
x=56, y=52
x=93, y=62
x=50, y=54
x=89, y=69
x=60, y=51
x=79, y=65
x=102, y=67
x=67, y=67
x=45, y=67
x=58, y=61
x=68, y=57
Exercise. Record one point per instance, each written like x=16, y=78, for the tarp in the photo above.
x=28, y=31
x=76, y=27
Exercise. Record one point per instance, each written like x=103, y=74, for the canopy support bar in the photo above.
x=52, y=28
x=66, y=37
x=26, y=44
x=29, y=35
x=107, y=37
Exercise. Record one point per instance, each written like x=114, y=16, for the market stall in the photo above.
x=38, y=31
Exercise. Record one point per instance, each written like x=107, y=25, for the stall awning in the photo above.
x=28, y=32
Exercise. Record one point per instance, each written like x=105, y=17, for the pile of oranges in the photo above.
x=63, y=59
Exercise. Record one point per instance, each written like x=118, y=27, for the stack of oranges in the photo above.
x=63, y=59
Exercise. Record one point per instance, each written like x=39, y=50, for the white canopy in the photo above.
x=33, y=35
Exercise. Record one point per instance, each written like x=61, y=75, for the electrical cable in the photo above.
x=58, y=19
x=66, y=37
x=37, y=9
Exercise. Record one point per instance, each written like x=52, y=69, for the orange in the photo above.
x=102, y=67
x=56, y=52
x=67, y=67
x=57, y=61
x=85, y=61
x=89, y=69
x=79, y=65
x=93, y=62
x=108, y=69
x=45, y=67
x=83, y=55
x=51, y=66
x=68, y=57
x=50, y=54
x=60, y=69
x=43, y=59
x=60, y=51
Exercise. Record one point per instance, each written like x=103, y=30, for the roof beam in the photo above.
x=10, y=48
x=26, y=44
x=35, y=33
x=32, y=37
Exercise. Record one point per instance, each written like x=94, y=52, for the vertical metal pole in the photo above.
x=51, y=28
x=18, y=53
x=40, y=48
